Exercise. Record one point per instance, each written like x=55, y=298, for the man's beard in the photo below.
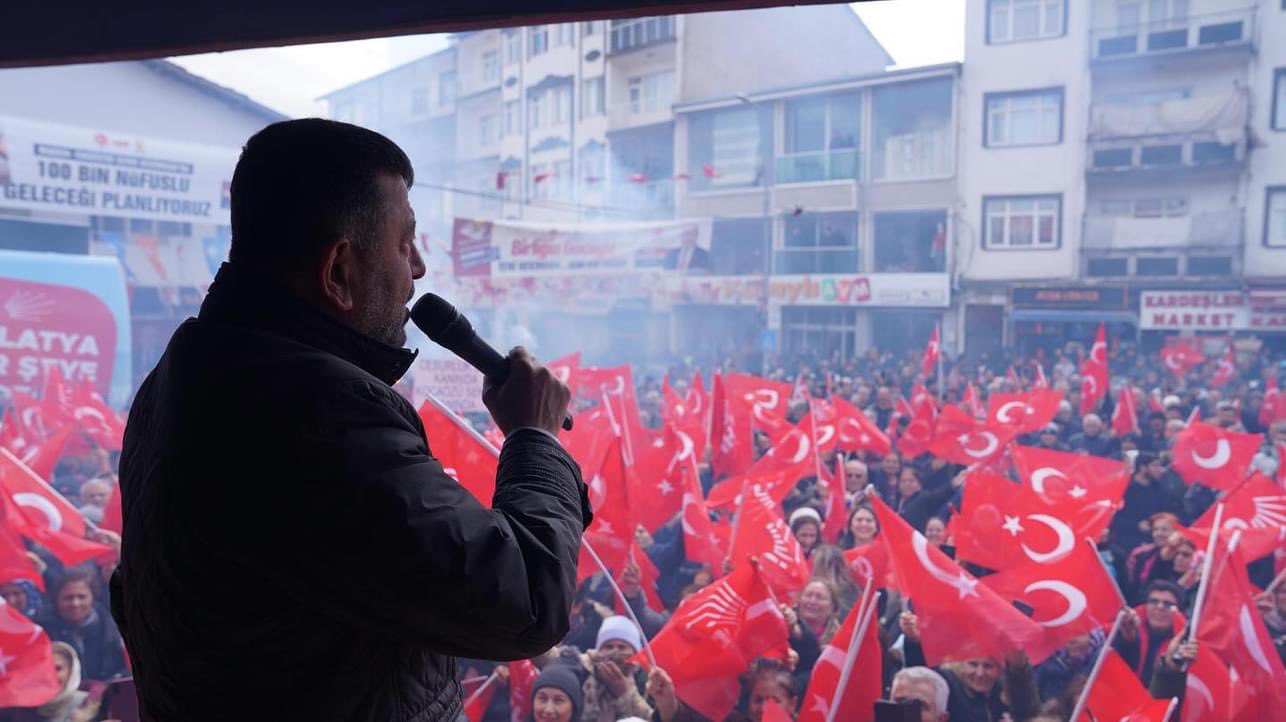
x=384, y=318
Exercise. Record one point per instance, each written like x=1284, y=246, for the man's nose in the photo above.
x=417, y=263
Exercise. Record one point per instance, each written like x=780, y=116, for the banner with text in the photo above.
x=48, y=167
x=449, y=380
x=517, y=249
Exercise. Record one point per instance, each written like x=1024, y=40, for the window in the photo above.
x=638, y=33
x=513, y=121
x=739, y=246
x=446, y=88
x=819, y=243
x=487, y=130
x=1107, y=267
x=491, y=67
x=1010, y=21
x=561, y=97
x=534, y=114
x=593, y=27
x=1148, y=97
x=821, y=330
x=1021, y=222
x=1279, y=99
x=651, y=93
x=592, y=97
x=1145, y=208
x=1157, y=266
x=1161, y=154
x=726, y=148
x=593, y=164
x=1209, y=265
x=551, y=107
x=513, y=48
x=912, y=136
x=822, y=136
x=911, y=241
x=1026, y=118
x=537, y=40
x=419, y=101
x=1275, y=217
x=565, y=34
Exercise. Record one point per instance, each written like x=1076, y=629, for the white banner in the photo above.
x=451, y=381
x=1193, y=311
x=515, y=249
x=47, y=167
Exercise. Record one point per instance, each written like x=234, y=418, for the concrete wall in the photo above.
x=1268, y=160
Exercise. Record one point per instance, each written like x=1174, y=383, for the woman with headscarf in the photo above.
x=806, y=524
x=70, y=704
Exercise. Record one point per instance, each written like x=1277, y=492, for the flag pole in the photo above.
x=490, y=680
x=463, y=423
x=866, y=610
x=941, y=379
x=1084, y=697
x=1274, y=584
x=1206, y=564
x=647, y=646
x=1174, y=703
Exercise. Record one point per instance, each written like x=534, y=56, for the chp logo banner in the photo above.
x=514, y=249
x=45, y=326
x=449, y=380
x=48, y=167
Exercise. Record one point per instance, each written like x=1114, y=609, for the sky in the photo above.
x=290, y=79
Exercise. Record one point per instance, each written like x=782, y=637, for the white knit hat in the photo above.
x=804, y=512
x=622, y=629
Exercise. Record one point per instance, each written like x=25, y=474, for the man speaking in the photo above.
x=292, y=550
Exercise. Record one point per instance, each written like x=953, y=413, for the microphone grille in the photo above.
x=434, y=315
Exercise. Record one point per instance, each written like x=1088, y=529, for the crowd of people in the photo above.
x=600, y=674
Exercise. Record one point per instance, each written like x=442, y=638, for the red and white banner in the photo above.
x=44, y=327
x=449, y=380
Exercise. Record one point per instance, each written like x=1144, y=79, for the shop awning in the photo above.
x=1075, y=316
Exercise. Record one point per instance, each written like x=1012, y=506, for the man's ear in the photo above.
x=337, y=275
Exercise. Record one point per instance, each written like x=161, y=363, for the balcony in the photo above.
x=1201, y=132
x=638, y=33
x=815, y=166
x=1228, y=29
x=1217, y=229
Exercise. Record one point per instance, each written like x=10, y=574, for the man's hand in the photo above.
x=1129, y=625
x=910, y=625
x=611, y=677
x=530, y=396
x=661, y=689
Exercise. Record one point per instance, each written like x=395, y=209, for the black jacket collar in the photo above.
x=241, y=297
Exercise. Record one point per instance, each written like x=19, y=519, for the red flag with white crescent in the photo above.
x=1213, y=455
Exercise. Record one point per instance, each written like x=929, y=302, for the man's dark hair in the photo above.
x=1144, y=458
x=1164, y=585
x=301, y=183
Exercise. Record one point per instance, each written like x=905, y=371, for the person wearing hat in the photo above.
x=613, y=683
x=556, y=695
x=1048, y=438
x=806, y=525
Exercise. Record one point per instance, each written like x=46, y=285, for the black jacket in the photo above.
x=291, y=548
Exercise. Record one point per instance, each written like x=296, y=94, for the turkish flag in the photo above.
x=920, y=395
x=464, y=457
x=675, y=412
x=39, y=501
x=14, y=562
x=777, y=483
x=648, y=574
x=932, y=352
x=870, y=561
x=731, y=436
x=477, y=697
x=1180, y=358
x=612, y=531
x=1274, y=407
x=1125, y=417
x=657, y=480
x=702, y=541
x=522, y=677
x=1024, y=412
x=855, y=431
x=836, y=516
x=1210, y=690
x=27, y=677
x=1118, y=695
x=774, y=712
x=1069, y=596
x=613, y=387
x=762, y=533
x=12, y=436
x=31, y=414
x=958, y=437
x=589, y=438
x=1058, y=476
x=1233, y=628
x=1214, y=456
x=1257, y=507
x=567, y=370
x=864, y=683
x=1225, y=370
x=36, y=521
x=959, y=619
x=918, y=435
x=1094, y=373
x=1003, y=525
x=99, y=421
x=42, y=457
x=698, y=399
x=713, y=637
x=822, y=435
x=113, y=515
x=57, y=397
x=973, y=401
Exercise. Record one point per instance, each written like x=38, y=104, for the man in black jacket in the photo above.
x=292, y=550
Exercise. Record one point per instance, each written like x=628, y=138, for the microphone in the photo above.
x=448, y=328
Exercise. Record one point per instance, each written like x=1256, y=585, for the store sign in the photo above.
x=516, y=249
x=931, y=290
x=1194, y=311
x=85, y=171
x=1070, y=298
x=46, y=327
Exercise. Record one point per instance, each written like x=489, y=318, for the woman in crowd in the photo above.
x=70, y=704
x=935, y=531
x=84, y=625
x=23, y=596
x=806, y=525
x=862, y=528
x=830, y=566
x=556, y=695
x=1152, y=560
x=613, y=685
